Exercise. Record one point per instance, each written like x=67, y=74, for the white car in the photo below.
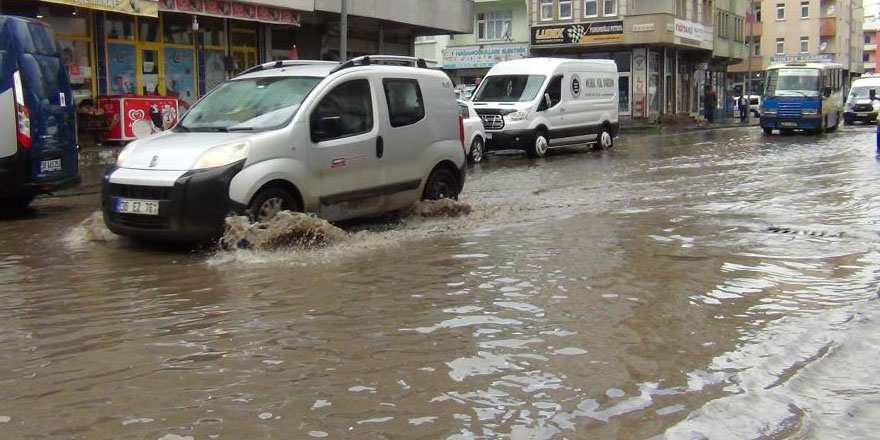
x=369, y=136
x=474, y=133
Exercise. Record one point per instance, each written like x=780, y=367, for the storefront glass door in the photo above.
x=624, y=96
x=149, y=65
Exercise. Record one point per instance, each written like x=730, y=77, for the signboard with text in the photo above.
x=692, y=31
x=481, y=57
x=600, y=32
x=809, y=58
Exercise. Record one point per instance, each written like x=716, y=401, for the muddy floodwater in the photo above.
x=716, y=285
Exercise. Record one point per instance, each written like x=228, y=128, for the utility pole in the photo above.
x=343, y=32
x=750, y=20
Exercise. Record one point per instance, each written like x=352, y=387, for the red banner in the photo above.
x=231, y=9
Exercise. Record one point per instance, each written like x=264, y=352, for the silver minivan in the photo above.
x=371, y=135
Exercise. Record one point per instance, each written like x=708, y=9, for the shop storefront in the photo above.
x=171, y=48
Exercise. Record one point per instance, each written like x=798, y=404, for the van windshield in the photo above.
x=249, y=104
x=509, y=88
x=863, y=92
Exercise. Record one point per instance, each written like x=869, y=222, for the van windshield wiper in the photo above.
x=206, y=129
x=241, y=129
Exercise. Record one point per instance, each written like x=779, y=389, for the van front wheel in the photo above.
x=604, y=140
x=271, y=201
x=540, y=145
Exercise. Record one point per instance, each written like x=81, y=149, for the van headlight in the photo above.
x=768, y=112
x=222, y=155
x=519, y=115
x=124, y=154
x=811, y=111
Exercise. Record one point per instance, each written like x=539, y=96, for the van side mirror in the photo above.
x=326, y=127
x=873, y=94
x=827, y=92
x=545, y=103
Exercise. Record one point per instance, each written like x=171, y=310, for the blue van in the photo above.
x=38, y=150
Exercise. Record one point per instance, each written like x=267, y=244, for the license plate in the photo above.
x=137, y=206
x=788, y=124
x=48, y=166
x=488, y=135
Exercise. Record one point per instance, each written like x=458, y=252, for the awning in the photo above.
x=148, y=8
x=239, y=10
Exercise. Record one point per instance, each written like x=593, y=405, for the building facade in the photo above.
x=871, y=53
x=668, y=52
x=184, y=48
x=803, y=30
x=501, y=33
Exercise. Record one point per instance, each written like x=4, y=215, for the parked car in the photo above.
x=861, y=103
x=534, y=104
x=339, y=140
x=754, y=105
x=38, y=151
x=474, y=134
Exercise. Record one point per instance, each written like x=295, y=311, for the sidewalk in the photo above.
x=680, y=124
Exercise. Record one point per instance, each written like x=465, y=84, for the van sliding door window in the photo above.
x=405, y=104
x=351, y=104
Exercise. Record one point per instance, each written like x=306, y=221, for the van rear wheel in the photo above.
x=540, y=145
x=442, y=184
x=271, y=201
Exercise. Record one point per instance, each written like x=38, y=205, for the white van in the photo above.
x=537, y=103
x=861, y=104
x=338, y=140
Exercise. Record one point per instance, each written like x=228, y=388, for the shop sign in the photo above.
x=692, y=31
x=230, y=9
x=817, y=58
x=477, y=57
x=147, y=8
x=645, y=27
x=584, y=33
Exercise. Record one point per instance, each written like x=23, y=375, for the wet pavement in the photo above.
x=719, y=284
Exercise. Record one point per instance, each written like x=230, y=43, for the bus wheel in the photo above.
x=768, y=131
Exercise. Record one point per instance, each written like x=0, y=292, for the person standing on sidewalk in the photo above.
x=743, y=104
x=711, y=102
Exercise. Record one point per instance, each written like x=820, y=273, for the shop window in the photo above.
x=177, y=29
x=623, y=60
x=405, y=104
x=283, y=39
x=119, y=26
x=148, y=30
x=179, y=75
x=213, y=30
x=65, y=20
x=77, y=56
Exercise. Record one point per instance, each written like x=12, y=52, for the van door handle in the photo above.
x=380, y=147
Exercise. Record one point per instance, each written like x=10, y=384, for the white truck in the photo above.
x=534, y=104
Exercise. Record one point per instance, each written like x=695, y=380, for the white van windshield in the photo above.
x=510, y=88
x=249, y=104
x=863, y=92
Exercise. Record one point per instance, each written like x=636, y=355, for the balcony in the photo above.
x=870, y=47
x=757, y=29
x=827, y=27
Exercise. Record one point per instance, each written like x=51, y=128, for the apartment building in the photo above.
x=667, y=51
x=803, y=30
x=870, y=53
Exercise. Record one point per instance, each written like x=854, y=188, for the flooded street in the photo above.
x=718, y=284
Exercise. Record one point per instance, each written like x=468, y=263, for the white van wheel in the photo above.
x=271, y=201
x=540, y=146
x=605, y=140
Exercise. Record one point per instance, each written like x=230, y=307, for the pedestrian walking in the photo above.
x=743, y=104
x=711, y=102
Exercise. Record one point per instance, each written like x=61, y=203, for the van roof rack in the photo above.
x=285, y=63
x=393, y=60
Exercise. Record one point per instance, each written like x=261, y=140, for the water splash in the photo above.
x=285, y=230
x=91, y=230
